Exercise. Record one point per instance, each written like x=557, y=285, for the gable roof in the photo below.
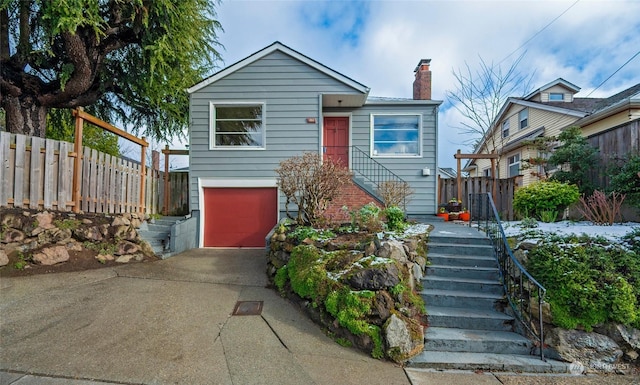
x=563, y=108
x=277, y=46
x=631, y=93
x=625, y=99
x=579, y=104
x=558, y=81
x=447, y=172
x=586, y=109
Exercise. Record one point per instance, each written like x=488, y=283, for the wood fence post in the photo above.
x=439, y=193
x=166, y=180
x=77, y=174
x=459, y=197
x=143, y=171
x=494, y=172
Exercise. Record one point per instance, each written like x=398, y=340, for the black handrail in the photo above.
x=369, y=169
x=518, y=284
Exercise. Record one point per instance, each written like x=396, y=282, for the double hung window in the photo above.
x=237, y=125
x=505, y=128
x=514, y=165
x=523, y=116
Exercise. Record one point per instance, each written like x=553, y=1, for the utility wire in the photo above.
x=539, y=32
x=600, y=85
x=614, y=72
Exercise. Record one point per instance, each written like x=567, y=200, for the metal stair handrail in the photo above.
x=520, y=287
x=368, y=168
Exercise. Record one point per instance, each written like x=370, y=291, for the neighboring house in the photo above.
x=545, y=112
x=278, y=103
x=447, y=172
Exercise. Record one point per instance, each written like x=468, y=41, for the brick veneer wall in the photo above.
x=351, y=196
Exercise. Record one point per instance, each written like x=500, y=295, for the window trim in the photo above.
x=243, y=103
x=526, y=119
x=510, y=163
x=372, y=134
x=560, y=94
x=508, y=127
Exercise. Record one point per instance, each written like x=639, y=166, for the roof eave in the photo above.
x=565, y=83
x=277, y=46
x=608, y=111
x=526, y=103
x=404, y=102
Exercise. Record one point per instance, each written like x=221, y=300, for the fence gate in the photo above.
x=448, y=189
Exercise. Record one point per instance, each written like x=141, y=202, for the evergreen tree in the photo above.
x=131, y=59
x=575, y=159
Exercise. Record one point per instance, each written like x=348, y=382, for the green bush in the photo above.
x=541, y=198
x=367, y=218
x=575, y=158
x=624, y=179
x=395, y=218
x=588, y=281
x=307, y=232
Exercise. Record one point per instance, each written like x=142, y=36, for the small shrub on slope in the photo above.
x=588, y=281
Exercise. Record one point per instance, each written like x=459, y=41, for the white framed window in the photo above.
x=237, y=125
x=556, y=97
x=396, y=135
x=514, y=165
x=505, y=128
x=523, y=117
x=486, y=172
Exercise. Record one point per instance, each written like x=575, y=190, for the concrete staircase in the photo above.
x=158, y=235
x=464, y=298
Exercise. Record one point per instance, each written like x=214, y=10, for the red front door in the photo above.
x=336, y=139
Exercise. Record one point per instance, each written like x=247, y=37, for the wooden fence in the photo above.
x=178, y=201
x=613, y=145
x=37, y=173
x=505, y=188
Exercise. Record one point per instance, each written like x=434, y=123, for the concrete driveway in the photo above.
x=170, y=322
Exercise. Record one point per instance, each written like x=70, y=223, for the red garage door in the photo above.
x=239, y=217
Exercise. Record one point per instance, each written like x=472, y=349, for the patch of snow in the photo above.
x=612, y=233
x=375, y=260
x=416, y=229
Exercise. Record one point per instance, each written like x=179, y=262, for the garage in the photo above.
x=239, y=217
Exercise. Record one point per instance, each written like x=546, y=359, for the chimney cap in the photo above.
x=421, y=63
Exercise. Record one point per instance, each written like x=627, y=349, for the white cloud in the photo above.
x=379, y=43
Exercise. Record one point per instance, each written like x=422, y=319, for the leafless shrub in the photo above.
x=310, y=184
x=600, y=209
x=395, y=193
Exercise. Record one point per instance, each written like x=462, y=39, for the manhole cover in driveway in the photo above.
x=247, y=308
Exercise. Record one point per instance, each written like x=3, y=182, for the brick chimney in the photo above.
x=422, y=83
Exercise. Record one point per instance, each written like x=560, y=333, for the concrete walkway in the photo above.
x=170, y=322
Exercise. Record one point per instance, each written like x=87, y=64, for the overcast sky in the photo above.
x=379, y=43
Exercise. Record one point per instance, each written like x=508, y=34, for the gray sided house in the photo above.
x=278, y=103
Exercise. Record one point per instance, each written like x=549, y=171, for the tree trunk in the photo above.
x=25, y=116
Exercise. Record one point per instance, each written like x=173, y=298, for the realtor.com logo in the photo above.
x=578, y=367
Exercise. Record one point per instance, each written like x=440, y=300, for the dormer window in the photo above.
x=556, y=97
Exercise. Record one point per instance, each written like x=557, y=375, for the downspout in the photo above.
x=437, y=187
x=320, y=127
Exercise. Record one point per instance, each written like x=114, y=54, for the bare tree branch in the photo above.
x=479, y=95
